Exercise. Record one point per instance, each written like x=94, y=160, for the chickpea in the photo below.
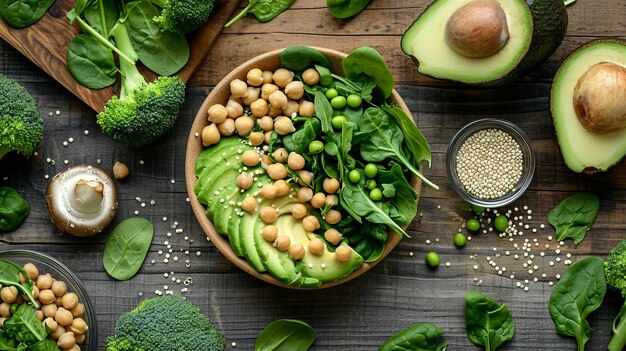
x=244, y=125
x=51, y=323
x=316, y=246
x=8, y=294
x=227, y=128
x=31, y=270
x=249, y=204
x=266, y=123
x=305, y=178
x=235, y=99
x=270, y=233
x=210, y=135
x=318, y=200
x=49, y=310
x=4, y=310
x=250, y=158
x=299, y=210
x=47, y=296
x=275, y=111
x=296, y=251
x=238, y=88
x=245, y=180
x=234, y=109
x=120, y=170
x=310, y=223
x=332, y=200
x=333, y=236
x=282, y=188
x=283, y=125
x=276, y=171
x=59, y=288
x=278, y=99
x=2, y=319
x=57, y=333
x=268, y=214
x=39, y=315
x=69, y=300
x=280, y=155
x=78, y=311
x=307, y=108
x=59, y=302
x=267, y=90
x=251, y=96
x=79, y=326
x=26, y=298
x=311, y=76
x=333, y=217
x=343, y=253
x=269, y=191
x=66, y=340
x=259, y=108
x=295, y=90
x=282, y=242
x=305, y=194
x=292, y=108
x=44, y=281
x=268, y=77
x=217, y=113
x=63, y=317
x=330, y=185
x=282, y=77
x=256, y=138
x=295, y=161
x=80, y=338
x=266, y=159
x=255, y=77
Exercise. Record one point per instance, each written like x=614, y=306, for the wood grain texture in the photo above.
x=45, y=43
x=398, y=292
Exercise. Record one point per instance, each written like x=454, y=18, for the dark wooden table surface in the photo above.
x=400, y=291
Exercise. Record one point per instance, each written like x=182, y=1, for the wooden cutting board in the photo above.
x=45, y=43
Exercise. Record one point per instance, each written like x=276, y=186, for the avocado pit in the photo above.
x=478, y=29
x=600, y=98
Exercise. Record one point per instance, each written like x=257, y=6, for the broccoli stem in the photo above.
x=132, y=79
x=619, y=338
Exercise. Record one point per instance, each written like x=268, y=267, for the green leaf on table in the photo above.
x=489, y=324
x=23, y=13
x=400, y=195
x=413, y=137
x=91, y=63
x=263, y=10
x=574, y=216
x=285, y=335
x=127, y=247
x=418, y=337
x=104, y=18
x=299, y=58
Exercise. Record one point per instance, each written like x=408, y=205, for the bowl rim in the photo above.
x=491, y=123
x=74, y=282
x=219, y=240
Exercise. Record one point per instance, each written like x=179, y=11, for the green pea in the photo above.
x=376, y=194
x=473, y=225
x=354, y=176
x=13, y=308
x=316, y=147
x=459, y=240
x=370, y=170
x=371, y=184
x=354, y=100
x=331, y=93
x=338, y=102
x=432, y=259
x=338, y=121
x=501, y=223
x=478, y=209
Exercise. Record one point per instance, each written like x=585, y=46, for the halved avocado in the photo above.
x=584, y=150
x=447, y=40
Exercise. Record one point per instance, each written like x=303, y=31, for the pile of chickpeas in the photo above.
x=59, y=309
x=270, y=100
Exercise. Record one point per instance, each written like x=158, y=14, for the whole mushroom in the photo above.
x=82, y=200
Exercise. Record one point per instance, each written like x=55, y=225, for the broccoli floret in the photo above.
x=144, y=112
x=165, y=323
x=615, y=272
x=183, y=16
x=21, y=125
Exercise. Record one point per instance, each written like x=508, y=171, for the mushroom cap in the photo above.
x=64, y=207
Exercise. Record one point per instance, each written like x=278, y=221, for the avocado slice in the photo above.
x=531, y=32
x=582, y=149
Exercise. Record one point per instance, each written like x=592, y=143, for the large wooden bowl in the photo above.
x=220, y=94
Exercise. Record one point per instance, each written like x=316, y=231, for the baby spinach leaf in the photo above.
x=7, y=343
x=24, y=326
x=285, y=335
x=127, y=247
x=367, y=62
x=102, y=15
x=346, y=8
x=91, y=63
x=579, y=292
x=299, y=58
x=326, y=77
x=305, y=135
x=44, y=345
x=10, y=275
x=23, y=13
x=13, y=209
x=363, y=88
x=413, y=137
x=488, y=323
x=574, y=216
x=404, y=197
x=418, y=337
x=324, y=111
x=263, y=10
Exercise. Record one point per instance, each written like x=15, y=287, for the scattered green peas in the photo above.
x=432, y=259
x=478, y=209
x=472, y=225
x=376, y=194
x=316, y=147
x=338, y=121
x=331, y=93
x=354, y=176
x=354, y=100
x=501, y=223
x=371, y=184
x=370, y=170
x=459, y=240
x=338, y=102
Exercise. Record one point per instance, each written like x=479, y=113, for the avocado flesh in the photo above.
x=425, y=42
x=582, y=150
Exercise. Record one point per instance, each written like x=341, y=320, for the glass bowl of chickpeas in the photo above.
x=64, y=305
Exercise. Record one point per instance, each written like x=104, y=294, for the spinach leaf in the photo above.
x=163, y=52
x=305, y=135
x=91, y=63
x=127, y=247
x=579, y=292
x=299, y=58
x=10, y=275
x=24, y=326
x=574, y=216
x=102, y=15
x=13, y=209
x=23, y=13
x=285, y=335
x=364, y=88
x=326, y=77
x=44, y=345
x=413, y=137
x=404, y=198
x=7, y=343
x=263, y=10
x=346, y=8
x=488, y=323
x=324, y=111
x=418, y=337
x=367, y=62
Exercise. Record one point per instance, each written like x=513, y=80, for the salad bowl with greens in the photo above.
x=303, y=166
